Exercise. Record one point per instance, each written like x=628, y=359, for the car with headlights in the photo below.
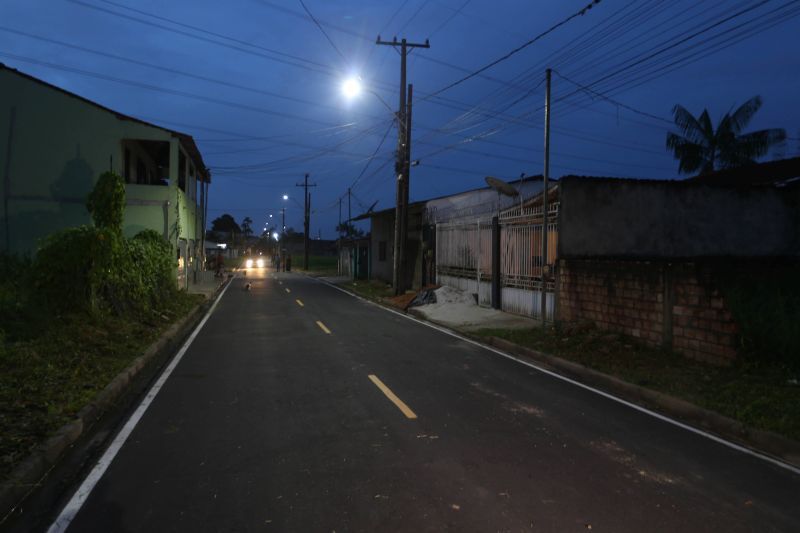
x=255, y=262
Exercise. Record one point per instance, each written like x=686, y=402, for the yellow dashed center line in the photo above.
x=323, y=328
x=299, y=303
x=287, y=290
x=392, y=397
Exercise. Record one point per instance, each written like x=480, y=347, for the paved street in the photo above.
x=301, y=408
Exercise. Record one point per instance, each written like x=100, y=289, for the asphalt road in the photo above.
x=271, y=422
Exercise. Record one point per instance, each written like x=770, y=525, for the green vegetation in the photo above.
x=371, y=289
x=767, y=310
x=317, y=264
x=760, y=396
x=88, y=304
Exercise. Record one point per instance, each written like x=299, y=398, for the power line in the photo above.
x=323, y=32
x=422, y=5
x=372, y=157
x=226, y=83
x=514, y=51
x=609, y=99
x=447, y=20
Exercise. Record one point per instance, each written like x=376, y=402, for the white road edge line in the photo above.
x=74, y=505
x=664, y=418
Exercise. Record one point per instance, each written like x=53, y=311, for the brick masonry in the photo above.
x=664, y=304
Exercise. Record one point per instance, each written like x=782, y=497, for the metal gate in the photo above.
x=464, y=258
x=522, y=274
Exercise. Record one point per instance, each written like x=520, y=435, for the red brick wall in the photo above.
x=664, y=305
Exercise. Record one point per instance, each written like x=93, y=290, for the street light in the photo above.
x=351, y=87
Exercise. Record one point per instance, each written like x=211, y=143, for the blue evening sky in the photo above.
x=257, y=84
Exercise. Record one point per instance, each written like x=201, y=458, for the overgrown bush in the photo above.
x=106, y=202
x=767, y=309
x=152, y=257
x=15, y=295
x=75, y=267
x=94, y=268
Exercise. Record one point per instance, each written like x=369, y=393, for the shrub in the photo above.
x=94, y=268
x=75, y=267
x=152, y=257
x=106, y=202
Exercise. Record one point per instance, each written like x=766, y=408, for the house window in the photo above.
x=382, y=251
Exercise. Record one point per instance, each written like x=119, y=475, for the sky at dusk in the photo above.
x=257, y=83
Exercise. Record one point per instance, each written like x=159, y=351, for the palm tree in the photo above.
x=704, y=149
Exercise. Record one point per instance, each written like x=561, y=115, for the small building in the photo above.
x=54, y=145
x=474, y=205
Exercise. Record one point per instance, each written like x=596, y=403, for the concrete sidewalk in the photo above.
x=458, y=310
x=207, y=284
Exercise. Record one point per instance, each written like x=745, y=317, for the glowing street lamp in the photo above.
x=351, y=87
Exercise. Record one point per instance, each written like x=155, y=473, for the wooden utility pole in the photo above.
x=400, y=166
x=306, y=217
x=545, y=177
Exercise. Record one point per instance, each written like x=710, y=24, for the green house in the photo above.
x=55, y=144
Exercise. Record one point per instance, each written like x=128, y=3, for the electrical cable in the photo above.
x=515, y=50
x=328, y=37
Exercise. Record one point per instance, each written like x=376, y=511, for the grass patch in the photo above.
x=47, y=378
x=758, y=395
x=371, y=289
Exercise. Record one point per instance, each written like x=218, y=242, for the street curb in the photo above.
x=30, y=472
x=764, y=442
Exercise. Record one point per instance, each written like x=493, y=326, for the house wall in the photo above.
x=53, y=148
x=672, y=305
x=644, y=220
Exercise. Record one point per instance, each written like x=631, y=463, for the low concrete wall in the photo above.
x=636, y=219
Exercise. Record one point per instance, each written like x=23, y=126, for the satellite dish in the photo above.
x=501, y=186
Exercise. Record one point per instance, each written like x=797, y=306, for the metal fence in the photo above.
x=464, y=259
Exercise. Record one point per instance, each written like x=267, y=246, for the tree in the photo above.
x=247, y=224
x=225, y=224
x=702, y=148
x=349, y=230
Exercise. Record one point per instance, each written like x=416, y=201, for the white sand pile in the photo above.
x=455, y=308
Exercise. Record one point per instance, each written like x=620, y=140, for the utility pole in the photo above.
x=349, y=215
x=340, y=217
x=406, y=185
x=306, y=217
x=545, y=177
x=401, y=212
